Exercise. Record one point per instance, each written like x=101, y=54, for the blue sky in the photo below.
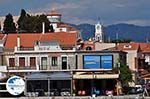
x=85, y=11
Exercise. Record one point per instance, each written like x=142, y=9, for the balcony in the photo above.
x=22, y=68
x=24, y=49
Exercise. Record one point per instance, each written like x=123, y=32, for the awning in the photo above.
x=60, y=76
x=96, y=76
x=50, y=76
x=37, y=76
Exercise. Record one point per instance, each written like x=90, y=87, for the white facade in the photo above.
x=54, y=18
x=147, y=58
x=98, y=32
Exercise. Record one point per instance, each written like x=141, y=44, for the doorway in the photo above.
x=64, y=62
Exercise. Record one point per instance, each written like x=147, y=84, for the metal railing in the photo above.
x=25, y=49
x=22, y=68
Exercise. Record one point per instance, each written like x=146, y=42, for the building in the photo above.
x=53, y=60
x=55, y=18
x=27, y=53
x=98, y=33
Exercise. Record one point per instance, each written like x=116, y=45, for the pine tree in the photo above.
x=22, y=20
x=9, y=25
x=27, y=23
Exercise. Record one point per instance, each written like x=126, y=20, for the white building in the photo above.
x=98, y=33
x=55, y=20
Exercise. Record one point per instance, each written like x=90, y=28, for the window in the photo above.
x=12, y=62
x=54, y=61
x=22, y=61
x=97, y=61
x=106, y=62
x=43, y=63
x=91, y=62
x=32, y=61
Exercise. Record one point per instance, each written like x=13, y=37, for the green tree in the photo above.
x=21, y=20
x=125, y=74
x=27, y=23
x=9, y=25
x=37, y=23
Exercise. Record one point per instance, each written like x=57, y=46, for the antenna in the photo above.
x=99, y=22
x=147, y=40
x=109, y=39
x=117, y=36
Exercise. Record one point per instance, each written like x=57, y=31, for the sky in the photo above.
x=85, y=11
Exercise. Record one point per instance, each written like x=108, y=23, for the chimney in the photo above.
x=43, y=27
x=18, y=42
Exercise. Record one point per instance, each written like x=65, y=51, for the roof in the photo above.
x=54, y=13
x=145, y=47
x=27, y=40
x=61, y=37
x=128, y=46
x=65, y=25
x=1, y=36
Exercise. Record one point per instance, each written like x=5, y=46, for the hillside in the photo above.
x=124, y=31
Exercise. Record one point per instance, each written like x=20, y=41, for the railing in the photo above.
x=25, y=49
x=22, y=68
x=43, y=67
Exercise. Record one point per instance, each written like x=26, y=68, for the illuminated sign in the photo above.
x=15, y=85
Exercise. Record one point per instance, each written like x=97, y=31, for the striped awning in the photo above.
x=96, y=76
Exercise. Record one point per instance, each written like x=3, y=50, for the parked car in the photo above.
x=132, y=90
x=65, y=92
x=136, y=90
x=139, y=88
x=54, y=92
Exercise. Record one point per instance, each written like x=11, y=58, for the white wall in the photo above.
x=101, y=46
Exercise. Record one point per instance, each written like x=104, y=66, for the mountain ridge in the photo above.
x=121, y=31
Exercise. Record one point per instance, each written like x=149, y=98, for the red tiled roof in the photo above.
x=145, y=47
x=62, y=25
x=61, y=37
x=28, y=40
x=54, y=13
x=1, y=36
x=128, y=46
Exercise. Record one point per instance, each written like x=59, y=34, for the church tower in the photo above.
x=98, y=32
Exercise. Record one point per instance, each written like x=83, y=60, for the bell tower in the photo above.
x=98, y=32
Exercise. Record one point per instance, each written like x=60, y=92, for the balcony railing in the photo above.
x=25, y=49
x=22, y=68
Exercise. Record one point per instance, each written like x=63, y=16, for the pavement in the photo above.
x=85, y=97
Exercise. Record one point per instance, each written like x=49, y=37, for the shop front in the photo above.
x=89, y=83
x=49, y=84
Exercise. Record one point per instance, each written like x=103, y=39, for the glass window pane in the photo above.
x=106, y=62
x=91, y=62
x=54, y=61
x=44, y=63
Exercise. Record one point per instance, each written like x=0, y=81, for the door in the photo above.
x=64, y=62
x=43, y=63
